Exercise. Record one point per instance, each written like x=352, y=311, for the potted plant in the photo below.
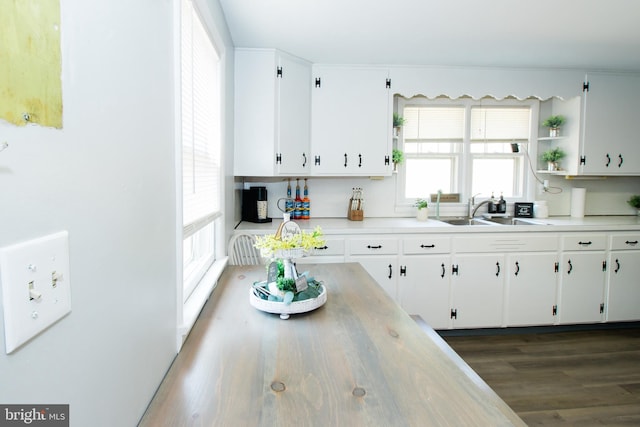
x=397, y=157
x=423, y=209
x=398, y=122
x=553, y=157
x=554, y=123
x=634, y=202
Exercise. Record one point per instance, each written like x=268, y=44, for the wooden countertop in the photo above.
x=359, y=360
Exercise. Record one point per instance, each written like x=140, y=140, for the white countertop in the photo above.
x=411, y=225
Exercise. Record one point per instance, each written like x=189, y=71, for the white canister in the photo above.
x=540, y=209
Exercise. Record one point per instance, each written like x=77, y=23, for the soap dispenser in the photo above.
x=502, y=205
x=492, y=207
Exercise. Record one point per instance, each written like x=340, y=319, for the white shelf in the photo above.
x=552, y=138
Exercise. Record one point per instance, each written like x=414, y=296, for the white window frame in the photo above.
x=465, y=157
x=195, y=283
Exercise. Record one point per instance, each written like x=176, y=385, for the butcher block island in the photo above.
x=359, y=360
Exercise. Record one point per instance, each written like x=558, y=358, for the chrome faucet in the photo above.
x=472, y=207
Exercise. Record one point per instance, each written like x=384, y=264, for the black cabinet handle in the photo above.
x=585, y=243
x=374, y=247
x=321, y=248
x=454, y=269
x=390, y=271
x=570, y=267
x=359, y=160
x=617, y=266
x=517, y=268
x=345, y=160
x=608, y=160
x=631, y=242
x=443, y=271
x=304, y=160
x=427, y=246
x=497, y=269
x=621, y=160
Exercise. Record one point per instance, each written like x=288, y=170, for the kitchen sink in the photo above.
x=468, y=221
x=490, y=221
x=514, y=221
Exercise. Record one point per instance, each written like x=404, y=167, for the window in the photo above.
x=464, y=146
x=200, y=124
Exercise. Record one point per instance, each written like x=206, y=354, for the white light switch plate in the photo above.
x=36, y=290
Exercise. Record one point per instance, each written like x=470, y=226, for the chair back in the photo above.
x=242, y=251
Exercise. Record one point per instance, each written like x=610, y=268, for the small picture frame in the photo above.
x=523, y=210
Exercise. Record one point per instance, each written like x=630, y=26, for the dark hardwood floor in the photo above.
x=569, y=378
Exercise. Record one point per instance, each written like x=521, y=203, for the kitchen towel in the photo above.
x=578, y=199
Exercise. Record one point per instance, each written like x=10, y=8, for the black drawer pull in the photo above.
x=374, y=247
x=427, y=246
x=585, y=243
x=443, y=270
x=631, y=242
x=321, y=248
x=570, y=267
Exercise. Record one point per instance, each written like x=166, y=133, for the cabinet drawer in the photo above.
x=625, y=241
x=506, y=243
x=374, y=246
x=331, y=247
x=584, y=242
x=426, y=245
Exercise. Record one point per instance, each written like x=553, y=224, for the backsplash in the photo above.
x=330, y=196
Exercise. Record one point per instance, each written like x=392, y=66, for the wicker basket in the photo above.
x=285, y=310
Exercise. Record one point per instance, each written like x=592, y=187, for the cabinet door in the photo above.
x=582, y=287
x=423, y=288
x=255, y=106
x=477, y=285
x=531, y=289
x=351, y=121
x=384, y=269
x=624, y=287
x=609, y=140
x=294, y=116
x=272, y=114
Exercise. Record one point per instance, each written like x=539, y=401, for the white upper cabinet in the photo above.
x=351, y=121
x=272, y=113
x=610, y=137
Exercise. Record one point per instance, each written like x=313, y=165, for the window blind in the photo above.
x=500, y=123
x=433, y=123
x=200, y=118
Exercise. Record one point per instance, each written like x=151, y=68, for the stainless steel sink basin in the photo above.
x=514, y=221
x=468, y=221
x=491, y=221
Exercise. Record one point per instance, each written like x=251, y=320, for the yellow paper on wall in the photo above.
x=30, y=62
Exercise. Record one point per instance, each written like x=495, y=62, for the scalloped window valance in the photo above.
x=479, y=83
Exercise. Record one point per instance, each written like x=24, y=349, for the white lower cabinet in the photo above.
x=583, y=266
x=332, y=251
x=500, y=280
x=477, y=289
x=531, y=288
x=379, y=256
x=623, y=302
x=424, y=279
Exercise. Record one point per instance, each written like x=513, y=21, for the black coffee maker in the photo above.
x=254, y=205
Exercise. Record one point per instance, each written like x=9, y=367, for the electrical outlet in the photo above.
x=36, y=291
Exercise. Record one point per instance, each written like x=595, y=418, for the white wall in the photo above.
x=108, y=178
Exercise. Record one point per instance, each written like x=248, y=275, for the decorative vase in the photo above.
x=423, y=214
x=554, y=132
x=552, y=166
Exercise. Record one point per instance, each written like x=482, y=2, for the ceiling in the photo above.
x=583, y=34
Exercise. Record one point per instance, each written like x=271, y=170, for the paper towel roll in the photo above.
x=578, y=198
